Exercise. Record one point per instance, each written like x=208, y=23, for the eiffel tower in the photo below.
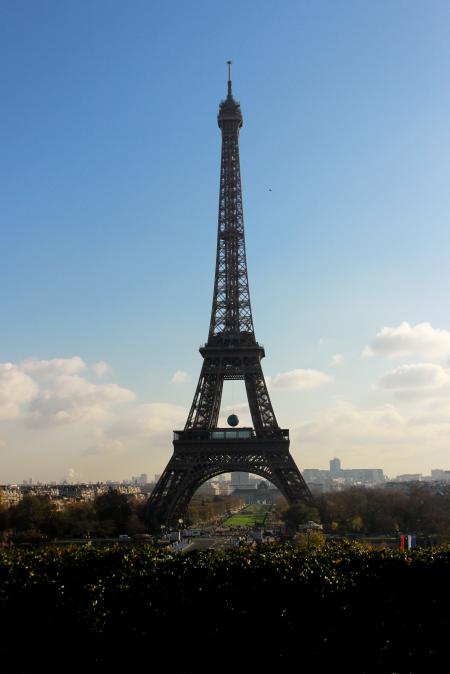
x=202, y=450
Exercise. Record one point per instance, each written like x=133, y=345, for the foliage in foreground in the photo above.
x=343, y=606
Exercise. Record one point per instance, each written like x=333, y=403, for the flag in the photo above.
x=411, y=541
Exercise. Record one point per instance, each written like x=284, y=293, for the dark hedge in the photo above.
x=344, y=607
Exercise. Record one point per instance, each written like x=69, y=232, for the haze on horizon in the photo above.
x=108, y=193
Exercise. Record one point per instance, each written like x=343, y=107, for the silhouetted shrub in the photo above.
x=344, y=607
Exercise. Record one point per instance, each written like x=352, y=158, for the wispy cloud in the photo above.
x=49, y=368
x=416, y=375
x=52, y=392
x=409, y=340
x=299, y=380
x=180, y=377
x=16, y=389
x=72, y=399
x=101, y=368
x=148, y=420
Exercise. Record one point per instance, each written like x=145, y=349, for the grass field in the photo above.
x=250, y=516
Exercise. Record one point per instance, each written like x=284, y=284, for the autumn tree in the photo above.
x=114, y=508
x=37, y=513
x=300, y=513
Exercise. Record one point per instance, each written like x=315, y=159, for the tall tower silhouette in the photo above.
x=202, y=450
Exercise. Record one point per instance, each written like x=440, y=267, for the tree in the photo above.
x=38, y=513
x=80, y=519
x=309, y=540
x=4, y=519
x=357, y=523
x=299, y=513
x=114, y=507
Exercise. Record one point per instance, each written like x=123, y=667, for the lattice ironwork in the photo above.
x=231, y=352
x=231, y=316
x=195, y=461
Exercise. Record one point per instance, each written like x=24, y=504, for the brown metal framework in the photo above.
x=202, y=450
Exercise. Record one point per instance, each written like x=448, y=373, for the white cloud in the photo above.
x=380, y=437
x=337, y=359
x=100, y=368
x=106, y=447
x=143, y=430
x=417, y=375
x=299, y=380
x=74, y=412
x=346, y=424
x=72, y=398
x=16, y=388
x=180, y=377
x=149, y=420
x=406, y=340
x=59, y=395
x=53, y=367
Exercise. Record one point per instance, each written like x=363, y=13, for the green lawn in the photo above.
x=250, y=516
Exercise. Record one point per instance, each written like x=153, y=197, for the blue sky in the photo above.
x=108, y=207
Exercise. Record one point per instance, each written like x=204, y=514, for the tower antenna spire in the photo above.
x=229, y=77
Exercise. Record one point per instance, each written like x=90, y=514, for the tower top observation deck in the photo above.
x=229, y=118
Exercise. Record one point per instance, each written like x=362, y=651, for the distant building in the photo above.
x=369, y=475
x=139, y=479
x=240, y=479
x=338, y=478
x=409, y=477
x=265, y=493
x=439, y=475
x=254, y=479
x=335, y=467
x=224, y=488
x=207, y=489
x=315, y=474
x=9, y=495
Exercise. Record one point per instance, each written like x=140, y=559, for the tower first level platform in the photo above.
x=200, y=455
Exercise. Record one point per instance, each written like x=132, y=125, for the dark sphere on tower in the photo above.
x=233, y=420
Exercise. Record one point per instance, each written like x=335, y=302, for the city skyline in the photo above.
x=109, y=212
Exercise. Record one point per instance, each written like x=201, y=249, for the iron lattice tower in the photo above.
x=202, y=450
